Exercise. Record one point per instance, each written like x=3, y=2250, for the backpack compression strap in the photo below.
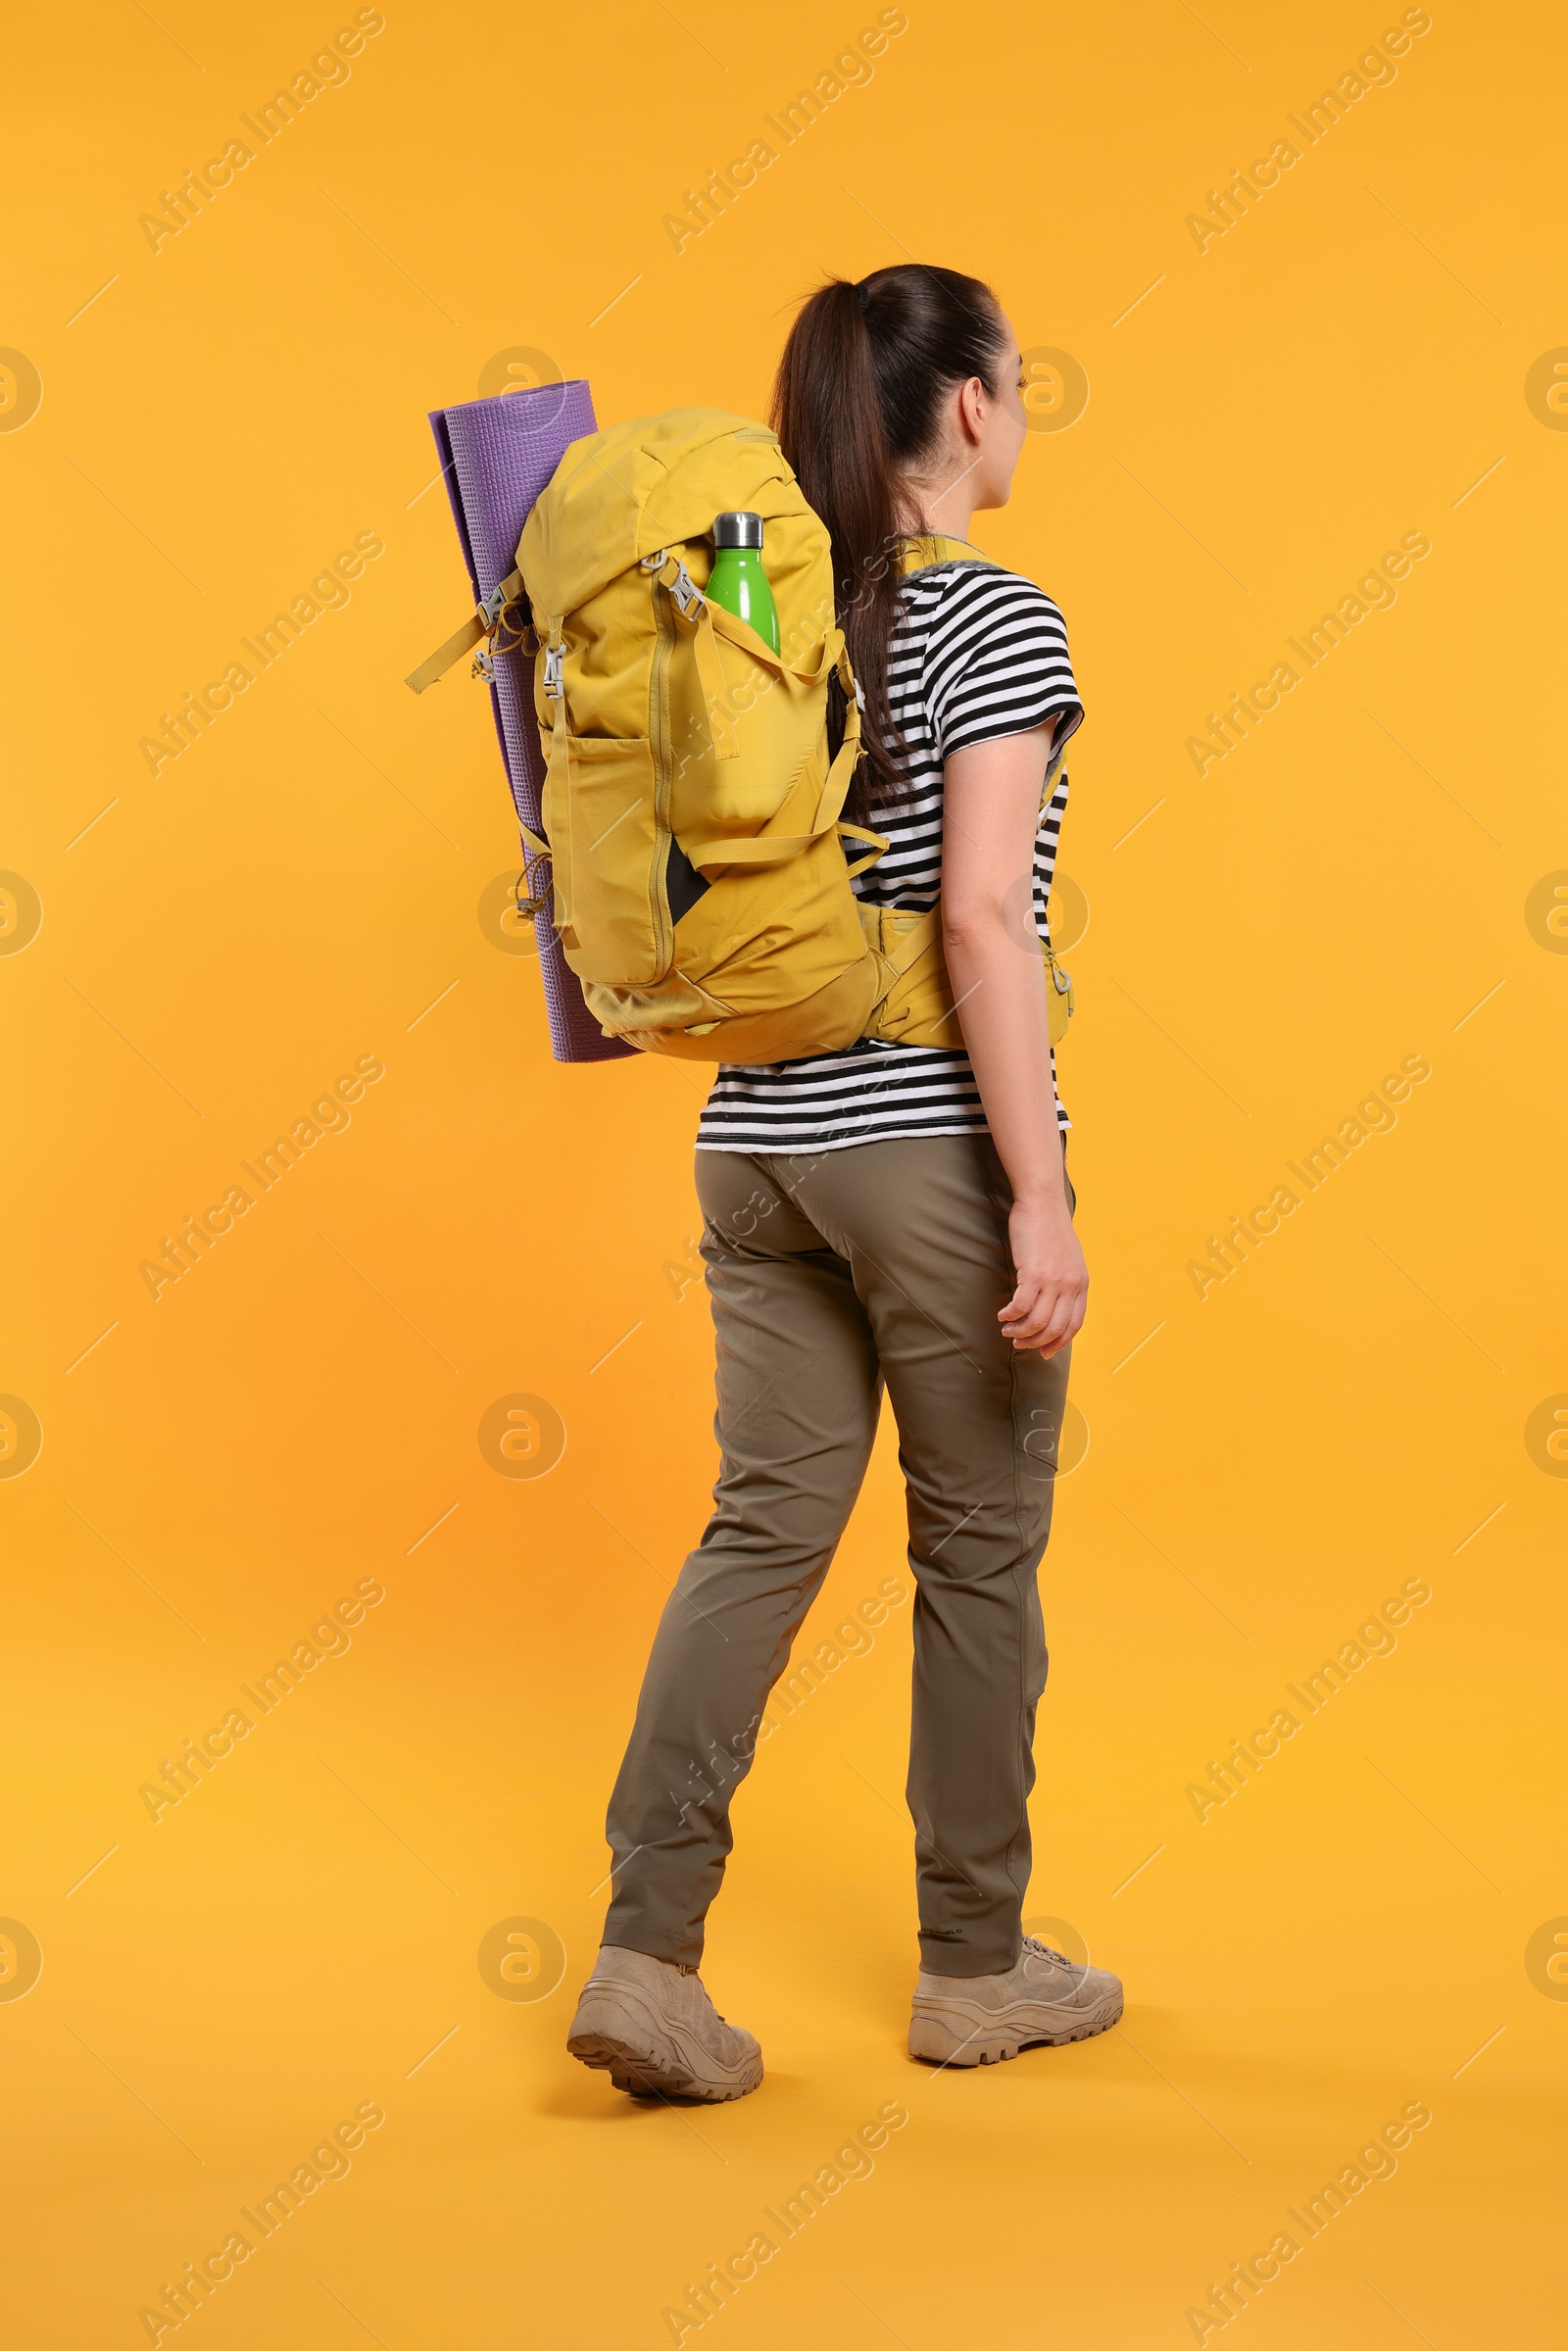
x=487, y=618
x=693, y=605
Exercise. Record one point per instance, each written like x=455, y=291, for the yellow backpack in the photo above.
x=700, y=861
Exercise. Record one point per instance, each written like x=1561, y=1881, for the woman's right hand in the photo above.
x=1047, y=1308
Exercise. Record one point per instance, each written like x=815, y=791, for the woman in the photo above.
x=887, y=1214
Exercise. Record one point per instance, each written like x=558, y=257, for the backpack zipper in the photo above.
x=659, y=745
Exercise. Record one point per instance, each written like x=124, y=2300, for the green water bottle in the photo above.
x=737, y=580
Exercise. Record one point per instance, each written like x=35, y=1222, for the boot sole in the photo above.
x=643, y=2074
x=939, y=2042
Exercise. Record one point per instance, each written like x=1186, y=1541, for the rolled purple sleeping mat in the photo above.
x=496, y=456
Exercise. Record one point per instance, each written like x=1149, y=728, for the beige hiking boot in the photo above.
x=976, y=2020
x=649, y=2025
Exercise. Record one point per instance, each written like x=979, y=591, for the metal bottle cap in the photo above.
x=738, y=530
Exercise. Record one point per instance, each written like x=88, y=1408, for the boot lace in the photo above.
x=1032, y=1942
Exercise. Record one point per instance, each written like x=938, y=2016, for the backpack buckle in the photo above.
x=530, y=893
x=508, y=624
x=554, y=656
x=688, y=595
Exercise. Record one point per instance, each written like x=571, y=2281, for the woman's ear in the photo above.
x=973, y=401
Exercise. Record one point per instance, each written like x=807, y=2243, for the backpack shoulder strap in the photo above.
x=921, y=551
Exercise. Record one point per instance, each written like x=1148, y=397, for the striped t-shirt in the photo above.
x=977, y=653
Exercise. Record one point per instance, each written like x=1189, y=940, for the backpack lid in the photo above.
x=655, y=482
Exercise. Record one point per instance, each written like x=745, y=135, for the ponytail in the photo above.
x=855, y=403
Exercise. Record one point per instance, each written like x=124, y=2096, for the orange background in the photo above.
x=1370, y=1399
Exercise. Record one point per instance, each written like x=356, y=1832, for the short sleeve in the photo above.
x=997, y=661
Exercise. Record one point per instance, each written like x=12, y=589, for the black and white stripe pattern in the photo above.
x=977, y=654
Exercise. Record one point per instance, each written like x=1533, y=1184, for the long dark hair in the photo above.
x=862, y=376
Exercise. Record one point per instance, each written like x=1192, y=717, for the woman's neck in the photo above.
x=939, y=506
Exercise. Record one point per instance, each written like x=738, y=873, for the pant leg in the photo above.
x=798, y=1394
x=923, y=1224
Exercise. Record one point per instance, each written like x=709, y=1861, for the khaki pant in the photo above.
x=830, y=1274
